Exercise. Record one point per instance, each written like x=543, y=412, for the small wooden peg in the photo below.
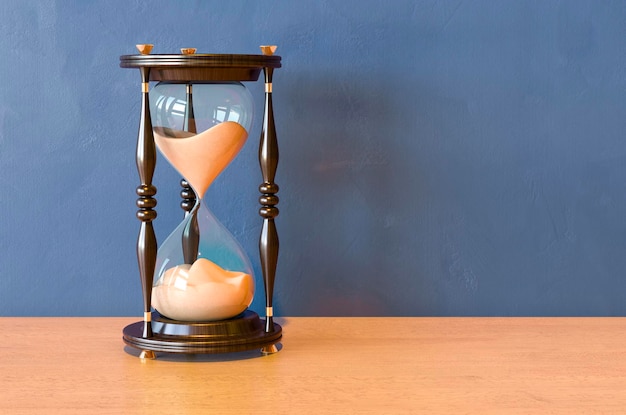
x=145, y=49
x=268, y=50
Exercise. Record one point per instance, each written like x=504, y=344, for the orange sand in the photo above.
x=202, y=292
x=202, y=157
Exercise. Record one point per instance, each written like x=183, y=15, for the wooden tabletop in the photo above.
x=326, y=366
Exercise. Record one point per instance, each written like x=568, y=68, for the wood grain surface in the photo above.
x=326, y=366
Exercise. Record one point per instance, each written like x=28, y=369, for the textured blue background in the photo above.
x=437, y=157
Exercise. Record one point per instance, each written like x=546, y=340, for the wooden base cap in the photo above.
x=242, y=333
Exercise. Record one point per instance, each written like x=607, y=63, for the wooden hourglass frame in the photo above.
x=247, y=331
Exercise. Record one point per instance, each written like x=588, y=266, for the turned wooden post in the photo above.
x=191, y=233
x=268, y=159
x=146, y=242
x=189, y=124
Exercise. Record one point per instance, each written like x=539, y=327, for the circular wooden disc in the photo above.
x=201, y=67
x=241, y=333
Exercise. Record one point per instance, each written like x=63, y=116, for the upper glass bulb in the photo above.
x=200, y=127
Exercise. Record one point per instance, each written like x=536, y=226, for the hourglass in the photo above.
x=200, y=281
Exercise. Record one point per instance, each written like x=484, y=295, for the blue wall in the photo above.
x=437, y=157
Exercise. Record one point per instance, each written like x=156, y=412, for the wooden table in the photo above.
x=327, y=366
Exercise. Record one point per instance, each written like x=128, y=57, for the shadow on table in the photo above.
x=221, y=357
